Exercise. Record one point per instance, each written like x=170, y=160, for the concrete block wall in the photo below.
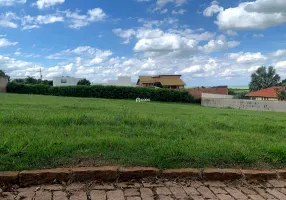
x=217, y=96
x=275, y=106
x=3, y=84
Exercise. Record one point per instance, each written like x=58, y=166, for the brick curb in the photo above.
x=113, y=173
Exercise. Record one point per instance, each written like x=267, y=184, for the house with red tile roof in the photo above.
x=268, y=94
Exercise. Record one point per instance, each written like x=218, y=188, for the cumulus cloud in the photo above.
x=260, y=14
x=281, y=64
x=32, y=22
x=4, y=43
x=278, y=53
x=18, y=68
x=220, y=43
x=41, y=4
x=77, y=20
x=125, y=34
x=8, y=20
x=179, y=12
x=242, y=57
x=11, y=2
x=212, y=9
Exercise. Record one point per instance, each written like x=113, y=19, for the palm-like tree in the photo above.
x=264, y=78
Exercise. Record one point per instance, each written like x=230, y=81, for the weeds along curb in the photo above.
x=113, y=173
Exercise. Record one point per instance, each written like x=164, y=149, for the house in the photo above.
x=268, y=94
x=197, y=92
x=65, y=81
x=121, y=81
x=161, y=81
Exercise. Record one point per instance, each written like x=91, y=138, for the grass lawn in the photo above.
x=45, y=132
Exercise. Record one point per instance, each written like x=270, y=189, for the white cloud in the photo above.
x=259, y=14
x=179, y=12
x=11, y=2
x=88, y=55
x=257, y=35
x=212, y=9
x=192, y=69
x=162, y=3
x=41, y=4
x=247, y=57
x=18, y=68
x=125, y=34
x=7, y=20
x=4, y=43
x=166, y=42
x=32, y=22
x=96, y=14
x=28, y=27
x=281, y=64
x=220, y=43
x=278, y=53
x=77, y=21
x=157, y=23
x=231, y=33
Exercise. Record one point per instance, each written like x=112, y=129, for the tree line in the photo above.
x=32, y=81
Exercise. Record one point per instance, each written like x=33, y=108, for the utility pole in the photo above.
x=41, y=76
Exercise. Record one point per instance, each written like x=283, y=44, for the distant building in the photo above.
x=268, y=94
x=161, y=81
x=121, y=81
x=65, y=81
x=3, y=84
x=197, y=92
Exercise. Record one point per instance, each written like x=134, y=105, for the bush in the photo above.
x=241, y=95
x=231, y=92
x=99, y=91
x=282, y=95
x=84, y=82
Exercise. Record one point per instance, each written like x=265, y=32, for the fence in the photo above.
x=276, y=106
x=3, y=84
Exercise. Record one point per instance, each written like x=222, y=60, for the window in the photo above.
x=64, y=81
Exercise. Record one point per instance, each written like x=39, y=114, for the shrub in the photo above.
x=282, y=95
x=99, y=91
x=84, y=82
x=241, y=95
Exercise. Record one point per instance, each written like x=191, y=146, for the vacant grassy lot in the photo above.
x=43, y=132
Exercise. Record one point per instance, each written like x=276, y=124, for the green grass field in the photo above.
x=239, y=87
x=45, y=132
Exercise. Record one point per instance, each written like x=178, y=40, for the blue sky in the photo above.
x=209, y=42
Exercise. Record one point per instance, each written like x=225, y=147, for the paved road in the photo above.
x=158, y=190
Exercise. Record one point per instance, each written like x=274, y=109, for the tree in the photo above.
x=283, y=83
x=31, y=80
x=282, y=95
x=3, y=74
x=84, y=82
x=264, y=78
x=18, y=80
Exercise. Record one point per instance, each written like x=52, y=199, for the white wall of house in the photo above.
x=65, y=81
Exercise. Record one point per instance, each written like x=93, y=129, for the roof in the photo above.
x=267, y=92
x=163, y=79
x=172, y=82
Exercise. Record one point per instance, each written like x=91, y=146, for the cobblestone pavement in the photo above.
x=155, y=190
